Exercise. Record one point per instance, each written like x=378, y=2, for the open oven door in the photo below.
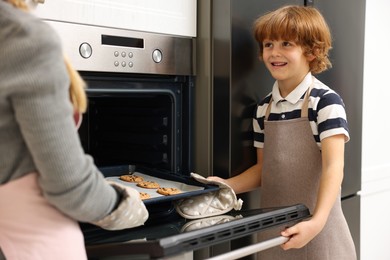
x=174, y=237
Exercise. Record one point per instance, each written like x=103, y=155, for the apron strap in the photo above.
x=305, y=105
x=267, y=112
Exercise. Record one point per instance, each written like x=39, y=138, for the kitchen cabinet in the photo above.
x=173, y=17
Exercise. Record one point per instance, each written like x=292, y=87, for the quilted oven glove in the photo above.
x=207, y=222
x=209, y=204
x=130, y=213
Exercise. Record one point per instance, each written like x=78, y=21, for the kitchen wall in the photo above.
x=375, y=194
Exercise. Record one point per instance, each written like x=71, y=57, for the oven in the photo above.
x=139, y=95
x=140, y=118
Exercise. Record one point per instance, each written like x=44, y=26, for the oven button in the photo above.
x=157, y=56
x=116, y=63
x=85, y=50
x=123, y=63
x=123, y=54
x=116, y=53
x=131, y=64
x=130, y=55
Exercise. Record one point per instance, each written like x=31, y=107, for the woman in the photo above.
x=47, y=182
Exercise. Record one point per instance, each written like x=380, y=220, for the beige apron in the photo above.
x=291, y=175
x=31, y=228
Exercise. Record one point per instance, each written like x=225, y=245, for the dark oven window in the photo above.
x=142, y=121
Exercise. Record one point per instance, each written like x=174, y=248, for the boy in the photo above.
x=300, y=132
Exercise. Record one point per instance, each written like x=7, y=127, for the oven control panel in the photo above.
x=100, y=49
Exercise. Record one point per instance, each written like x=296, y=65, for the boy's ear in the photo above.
x=310, y=57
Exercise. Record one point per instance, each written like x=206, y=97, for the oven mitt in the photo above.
x=209, y=204
x=130, y=213
x=207, y=222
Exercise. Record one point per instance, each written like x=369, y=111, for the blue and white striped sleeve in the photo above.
x=331, y=115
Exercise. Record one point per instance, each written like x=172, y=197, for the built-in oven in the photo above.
x=139, y=95
x=140, y=119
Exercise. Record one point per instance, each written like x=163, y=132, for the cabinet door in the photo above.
x=174, y=17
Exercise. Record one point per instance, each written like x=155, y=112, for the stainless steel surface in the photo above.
x=158, y=53
x=347, y=22
x=351, y=209
x=252, y=249
x=230, y=79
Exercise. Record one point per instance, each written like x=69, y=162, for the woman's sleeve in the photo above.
x=40, y=99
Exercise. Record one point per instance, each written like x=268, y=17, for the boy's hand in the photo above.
x=300, y=234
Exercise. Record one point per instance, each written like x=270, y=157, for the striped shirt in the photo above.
x=326, y=110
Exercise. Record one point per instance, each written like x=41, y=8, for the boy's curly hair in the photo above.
x=300, y=24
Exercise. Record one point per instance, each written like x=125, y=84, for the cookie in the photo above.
x=144, y=195
x=148, y=184
x=168, y=191
x=131, y=178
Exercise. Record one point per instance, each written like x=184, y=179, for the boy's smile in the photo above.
x=277, y=64
x=286, y=62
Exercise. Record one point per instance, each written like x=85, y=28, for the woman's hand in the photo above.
x=301, y=234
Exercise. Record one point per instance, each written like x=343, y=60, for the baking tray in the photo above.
x=187, y=185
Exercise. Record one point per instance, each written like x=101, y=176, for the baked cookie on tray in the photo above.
x=144, y=195
x=131, y=178
x=148, y=184
x=168, y=191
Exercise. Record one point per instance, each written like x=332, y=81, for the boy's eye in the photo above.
x=267, y=44
x=286, y=44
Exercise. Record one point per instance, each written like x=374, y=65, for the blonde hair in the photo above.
x=21, y=4
x=76, y=89
x=303, y=25
x=77, y=85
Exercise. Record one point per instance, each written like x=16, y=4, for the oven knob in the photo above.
x=85, y=50
x=157, y=56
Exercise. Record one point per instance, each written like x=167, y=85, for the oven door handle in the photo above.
x=248, y=250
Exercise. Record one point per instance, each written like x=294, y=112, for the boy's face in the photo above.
x=286, y=61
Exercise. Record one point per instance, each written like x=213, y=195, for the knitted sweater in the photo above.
x=37, y=130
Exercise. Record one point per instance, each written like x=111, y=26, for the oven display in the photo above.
x=122, y=41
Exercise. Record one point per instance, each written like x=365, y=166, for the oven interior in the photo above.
x=138, y=120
